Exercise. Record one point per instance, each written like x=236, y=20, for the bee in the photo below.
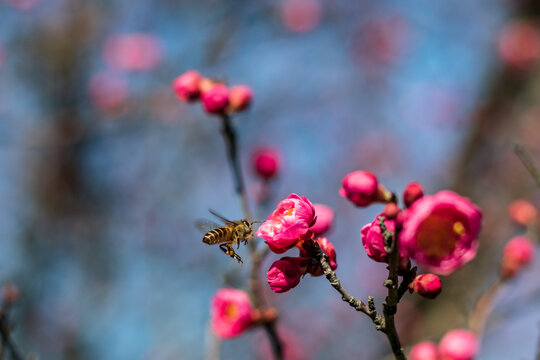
x=233, y=232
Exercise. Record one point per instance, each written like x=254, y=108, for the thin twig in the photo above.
x=483, y=308
x=527, y=161
x=392, y=299
x=407, y=280
x=5, y=332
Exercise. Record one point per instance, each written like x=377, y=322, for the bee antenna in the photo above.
x=257, y=222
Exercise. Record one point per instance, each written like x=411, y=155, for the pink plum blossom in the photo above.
x=522, y=212
x=186, y=86
x=230, y=313
x=216, y=99
x=360, y=187
x=107, y=91
x=285, y=273
x=519, y=44
x=441, y=231
x=325, y=216
x=373, y=240
x=288, y=223
x=413, y=191
x=300, y=15
x=518, y=252
x=426, y=350
x=135, y=52
x=427, y=285
x=458, y=345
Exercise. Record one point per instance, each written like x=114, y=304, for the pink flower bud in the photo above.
x=285, y=274
x=518, y=252
x=239, y=98
x=458, y=345
x=519, y=44
x=290, y=221
x=230, y=313
x=373, y=240
x=10, y=293
x=107, y=91
x=427, y=285
x=216, y=99
x=412, y=192
x=441, y=231
x=186, y=86
x=424, y=351
x=325, y=216
x=360, y=187
x=522, y=212
x=136, y=51
x=391, y=211
x=267, y=162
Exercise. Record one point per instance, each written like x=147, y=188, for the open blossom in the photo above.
x=518, y=252
x=325, y=216
x=426, y=350
x=360, y=187
x=373, y=240
x=522, y=212
x=288, y=223
x=440, y=231
x=230, y=313
x=285, y=273
x=458, y=345
x=427, y=285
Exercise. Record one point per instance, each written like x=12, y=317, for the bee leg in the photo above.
x=224, y=248
x=234, y=255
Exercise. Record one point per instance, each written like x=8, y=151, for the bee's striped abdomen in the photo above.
x=217, y=235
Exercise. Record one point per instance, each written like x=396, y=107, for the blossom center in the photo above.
x=231, y=311
x=438, y=235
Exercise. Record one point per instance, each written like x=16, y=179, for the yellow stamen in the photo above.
x=459, y=228
x=231, y=311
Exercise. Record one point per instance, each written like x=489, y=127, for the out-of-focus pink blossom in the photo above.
x=300, y=15
x=134, y=52
x=107, y=91
x=285, y=273
x=373, y=240
x=360, y=187
x=522, y=212
x=519, y=44
x=267, y=162
x=216, y=99
x=325, y=217
x=23, y=5
x=413, y=191
x=240, y=98
x=427, y=285
x=426, y=350
x=518, y=253
x=186, y=86
x=441, y=231
x=288, y=223
x=458, y=345
x=230, y=313
x=10, y=293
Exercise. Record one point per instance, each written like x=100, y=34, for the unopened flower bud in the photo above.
x=360, y=187
x=391, y=211
x=522, y=212
x=216, y=99
x=518, y=252
x=413, y=191
x=325, y=216
x=458, y=345
x=285, y=274
x=205, y=84
x=267, y=162
x=186, y=86
x=427, y=285
x=239, y=98
x=426, y=350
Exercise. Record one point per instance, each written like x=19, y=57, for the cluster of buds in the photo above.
x=438, y=231
x=231, y=313
x=296, y=223
x=456, y=344
x=215, y=96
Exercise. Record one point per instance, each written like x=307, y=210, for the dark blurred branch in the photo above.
x=5, y=331
x=527, y=161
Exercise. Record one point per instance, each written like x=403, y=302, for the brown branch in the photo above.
x=483, y=308
x=527, y=161
x=5, y=332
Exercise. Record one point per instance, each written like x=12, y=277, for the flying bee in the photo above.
x=233, y=232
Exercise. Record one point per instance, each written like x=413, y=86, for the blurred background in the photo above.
x=103, y=171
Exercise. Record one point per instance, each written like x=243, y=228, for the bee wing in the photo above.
x=206, y=225
x=225, y=220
